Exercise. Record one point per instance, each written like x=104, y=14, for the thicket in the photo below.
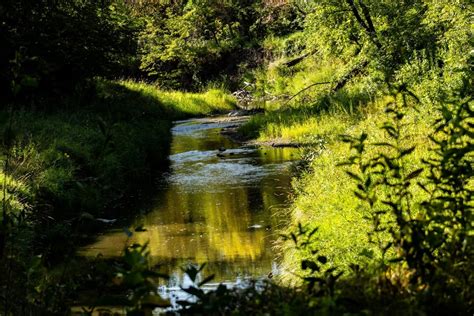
x=52, y=48
x=55, y=48
x=385, y=240
x=395, y=77
x=187, y=44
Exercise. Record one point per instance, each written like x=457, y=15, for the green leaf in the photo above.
x=367, y=253
x=194, y=291
x=423, y=187
x=406, y=152
x=395, y=260
x=313, y=232
x=390, y=130
x=360, y=196
x=309, y=264
x=330, y=270
x=293, y=237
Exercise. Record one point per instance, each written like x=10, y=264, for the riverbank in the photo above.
x=382, y=152
x=324, y=193
x=372, y=175
x=88, y=162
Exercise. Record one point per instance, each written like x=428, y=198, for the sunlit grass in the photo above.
x=81, y=159
x=196, y=104
x=16, y=190
x=324, y=192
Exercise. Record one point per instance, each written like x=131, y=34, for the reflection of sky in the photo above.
x=216, y=209
x=204, y=176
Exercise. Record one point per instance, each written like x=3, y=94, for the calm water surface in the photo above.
x=222, y=207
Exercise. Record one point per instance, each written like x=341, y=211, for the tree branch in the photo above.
x=356, y=14
x=367, y=25
x=297, y=60
x=366, y=12
x=307, y=88
x=351, y=74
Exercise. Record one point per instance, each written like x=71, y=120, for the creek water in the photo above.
x=220, y=204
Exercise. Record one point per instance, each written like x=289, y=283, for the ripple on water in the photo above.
x=209, y=155
x=217, y=176
x=212, y=207
x=194, y=129
x=192, y=156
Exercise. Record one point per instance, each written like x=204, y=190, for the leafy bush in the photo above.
x=56, y=46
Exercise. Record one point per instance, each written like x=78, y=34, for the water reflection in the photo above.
x=220, y=205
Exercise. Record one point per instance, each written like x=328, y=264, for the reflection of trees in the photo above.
x=204, y=226
x=183, y=143
x=212, y=224
x=278, y=155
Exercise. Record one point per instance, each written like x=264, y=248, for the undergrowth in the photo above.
x=91, y=159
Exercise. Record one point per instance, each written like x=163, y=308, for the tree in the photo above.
x=63, y=43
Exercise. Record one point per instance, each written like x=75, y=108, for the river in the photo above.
x=221, y=203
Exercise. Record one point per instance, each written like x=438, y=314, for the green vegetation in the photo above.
x=67, y=168
x=340, y=81
x=179, y=105
x=119, y=137
x=379, y=92
x=186, y=44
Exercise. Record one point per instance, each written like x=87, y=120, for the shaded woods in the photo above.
x=379, y=95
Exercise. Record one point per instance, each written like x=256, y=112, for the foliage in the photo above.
x=319, y=68
x=140, y=279
x=433, y=239
x=188, y=43
x=425, y=246
x=64, y=171
x=63, y=43
x=257, y=297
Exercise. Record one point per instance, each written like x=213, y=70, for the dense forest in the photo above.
x=377, y=94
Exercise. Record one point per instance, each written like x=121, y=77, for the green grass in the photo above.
x=324, y=117
x=182, y=104
x=324, y=192
x=93, y=158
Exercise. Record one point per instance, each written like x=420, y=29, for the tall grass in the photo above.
x=325, y=116
x=183, y=104
x=89, y=158
x=323, y=192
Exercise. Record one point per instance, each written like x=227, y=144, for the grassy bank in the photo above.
x=68, y=170
x=372, y=215
x=72, y=165
x=324, y=196
x=316, y=118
